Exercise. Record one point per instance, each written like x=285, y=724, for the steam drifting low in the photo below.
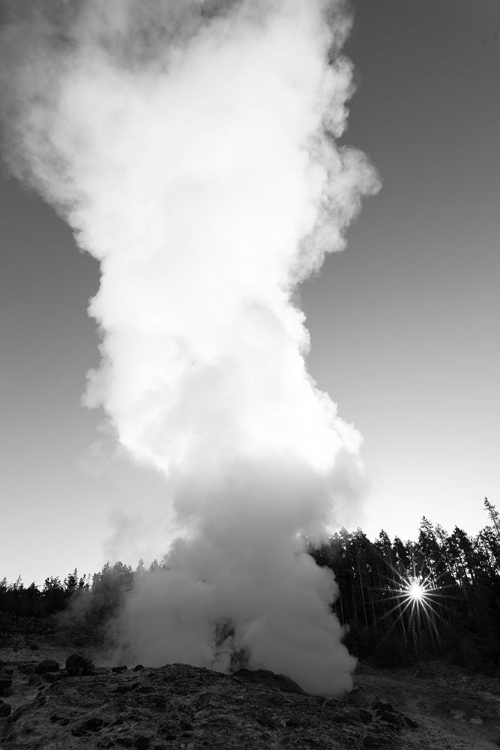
x=191, y=146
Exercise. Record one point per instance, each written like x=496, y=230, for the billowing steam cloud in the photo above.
x=191, y=146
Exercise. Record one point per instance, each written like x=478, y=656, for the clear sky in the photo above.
x=404, y=324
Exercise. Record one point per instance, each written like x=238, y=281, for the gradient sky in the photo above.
x=404, y=324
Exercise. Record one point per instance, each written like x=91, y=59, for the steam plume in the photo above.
x=191, y=146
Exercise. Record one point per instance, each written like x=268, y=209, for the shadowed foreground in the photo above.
x=431, y=705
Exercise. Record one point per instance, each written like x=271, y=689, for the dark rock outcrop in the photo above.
x=47, y=665
x=79, y=665
x=270, y=679
x=179, y=707
x=120, y=668
x=5, y=685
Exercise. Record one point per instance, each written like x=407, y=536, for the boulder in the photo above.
x=34, y=680
x=142, y=742
x=410, y=722
x=391, y=717
x=5, y=709
x=100, y=670
x=53, y=676
x=373, y=741
x=77, y=665
x=26, y=668
x=365, y=716
x=47, y=665
x=5, y=685
x=91, y=725
x=272, y=680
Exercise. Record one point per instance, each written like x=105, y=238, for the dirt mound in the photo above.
x=180, y=706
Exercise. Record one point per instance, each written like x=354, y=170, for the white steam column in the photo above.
x=191, y=146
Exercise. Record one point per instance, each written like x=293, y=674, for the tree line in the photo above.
x=438, y=595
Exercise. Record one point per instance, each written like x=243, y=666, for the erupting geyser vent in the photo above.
x=191, y=146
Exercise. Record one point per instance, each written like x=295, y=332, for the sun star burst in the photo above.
x=414, y=592
x=416, y=599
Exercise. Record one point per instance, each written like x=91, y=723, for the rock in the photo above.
x=77, y=664
x=138, y=667
x=340, y=718
x=391, y=718
x=5, y=709
x=146, y=689
x=53, y=676
x=100, y=670
x=410, y=722
x=183, y=707
x=375, y=741
x=168, y=730
x=26, y=668
x=59, y=719
x=89, y=726
x=159, y=702
x=122, y=689
x=121, y=668
x=5, y=685
x=35, y=679
x=365, y=716
x=124, y=741
x=266, y=677
x=47, y=665
x=142, y=742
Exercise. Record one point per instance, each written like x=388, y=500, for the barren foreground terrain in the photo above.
x=47, y=705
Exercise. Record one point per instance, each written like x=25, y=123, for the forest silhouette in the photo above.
x=456, y=617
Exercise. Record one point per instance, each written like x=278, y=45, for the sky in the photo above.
x=403, y=323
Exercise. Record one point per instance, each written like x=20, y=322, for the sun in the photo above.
x=416, y=591
x=416, y=599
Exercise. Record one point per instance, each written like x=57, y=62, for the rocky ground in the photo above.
x=50, y=702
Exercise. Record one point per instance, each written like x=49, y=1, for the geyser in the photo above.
x=191, y=146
